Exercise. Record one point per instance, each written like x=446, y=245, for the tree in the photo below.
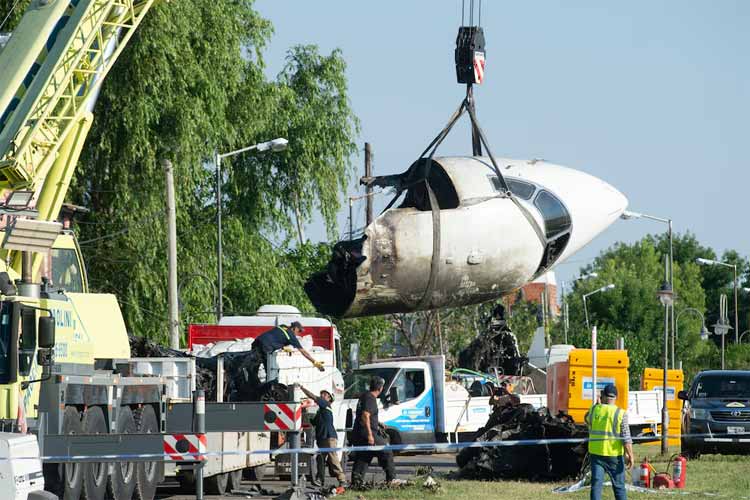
x=632, y=311
x=715, y=280
x=191, y=82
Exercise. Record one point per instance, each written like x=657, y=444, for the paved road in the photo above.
x=405, y=469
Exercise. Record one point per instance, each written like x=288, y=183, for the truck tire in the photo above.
x=256, y=473
x=147, y=474
x=217, y=484
x=235, y=480
x=95, y=473
x=122, y=480
x=66, y=480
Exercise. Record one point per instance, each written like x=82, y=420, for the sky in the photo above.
x=651, y=96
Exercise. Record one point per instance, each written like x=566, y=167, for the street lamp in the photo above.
x=275, y=145
x=710, y=262
x=565, y=311
x=666, y=297
x=703, y=332
x=587, y=295
x=722, y=327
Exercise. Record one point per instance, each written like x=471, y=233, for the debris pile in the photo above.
x=495, y=347
x=236, y=367
x=543, y=462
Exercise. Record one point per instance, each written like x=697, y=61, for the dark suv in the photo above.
x=717, y=408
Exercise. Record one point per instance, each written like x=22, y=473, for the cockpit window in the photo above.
x=441, y=184
x=556, y=217
x=66, y=272
x=523, y=190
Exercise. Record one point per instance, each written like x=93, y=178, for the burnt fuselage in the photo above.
x=487, y=244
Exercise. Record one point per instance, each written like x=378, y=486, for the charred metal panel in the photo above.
x=490, y=243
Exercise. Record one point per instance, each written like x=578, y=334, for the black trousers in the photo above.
x=362, y=461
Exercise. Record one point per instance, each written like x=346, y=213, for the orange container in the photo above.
x=652, y=379
x=569, y=383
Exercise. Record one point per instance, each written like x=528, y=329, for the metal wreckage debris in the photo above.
x=237, y=365
x=511, y=420
x=496, y=347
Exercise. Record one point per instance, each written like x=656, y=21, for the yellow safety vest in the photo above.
x=605, y=425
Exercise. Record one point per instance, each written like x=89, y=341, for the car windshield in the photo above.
x=723, y=386
x=358, y=381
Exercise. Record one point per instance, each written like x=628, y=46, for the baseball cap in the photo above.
x=297, y=324
x=610, y=391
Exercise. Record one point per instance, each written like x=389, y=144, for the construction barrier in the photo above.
x=710, y=438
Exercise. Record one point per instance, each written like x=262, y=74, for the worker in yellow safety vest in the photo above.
x=609, y=439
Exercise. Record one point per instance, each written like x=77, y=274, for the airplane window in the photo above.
x=556, y=217
x=523, y=190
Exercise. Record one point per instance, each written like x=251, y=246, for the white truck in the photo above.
x=418, y=404
x=320, y=338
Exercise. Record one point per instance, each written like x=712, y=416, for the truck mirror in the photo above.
x=682, y=395
x=354, y=356
x=28, y=329
x=393, y=396
x=46, y=332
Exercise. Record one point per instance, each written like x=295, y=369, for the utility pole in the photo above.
x=174, y=314
x=368, y=174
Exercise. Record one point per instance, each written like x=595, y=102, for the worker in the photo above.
x=365, y=432
x=282, y=338
x=609, y=438
x=326, y=437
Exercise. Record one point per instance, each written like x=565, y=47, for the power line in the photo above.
x=125, y=229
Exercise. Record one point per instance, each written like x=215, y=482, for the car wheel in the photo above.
x=689, y=451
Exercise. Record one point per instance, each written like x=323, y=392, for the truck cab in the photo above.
x=407, y=400
x=418, y=404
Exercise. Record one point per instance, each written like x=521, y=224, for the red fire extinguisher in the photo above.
x=644, y=474
x=679, y=471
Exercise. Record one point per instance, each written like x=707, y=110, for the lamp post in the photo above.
x=666, y=297
x=279, y=144
x=587, y=295
x=722, y=327
x=628, y=215
x=703, y=331
x=710, y=262
x=565, y=303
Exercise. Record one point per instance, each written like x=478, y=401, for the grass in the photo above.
x=711, y=476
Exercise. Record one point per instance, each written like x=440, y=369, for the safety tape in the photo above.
x=375, y=448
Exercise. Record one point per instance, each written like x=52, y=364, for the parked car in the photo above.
x=716, y=415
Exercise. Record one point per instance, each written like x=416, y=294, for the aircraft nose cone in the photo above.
x=595, y=206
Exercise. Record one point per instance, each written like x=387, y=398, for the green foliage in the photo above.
x=524, y=320
x=715, y=279
x=631, y=310
x=190, y=83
